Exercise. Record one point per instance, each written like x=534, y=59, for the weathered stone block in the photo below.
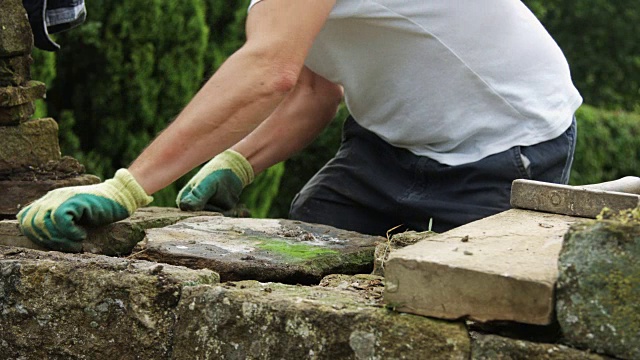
x=121, y=237
x=251, y=320
x=15, y=32
x=32, y=143
x=18, y=95
x=491, y=347
x=14, y=195
x=260, y=249
x=15, y=71
x=500, y=268
x=10, y=235
x=599, y=286
x=16, y=114
x=114, y=239
x=61, y=306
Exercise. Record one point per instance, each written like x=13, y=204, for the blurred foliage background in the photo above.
x=121, y=77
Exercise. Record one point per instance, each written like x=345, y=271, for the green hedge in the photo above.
x=601, y=39
x=608, y=145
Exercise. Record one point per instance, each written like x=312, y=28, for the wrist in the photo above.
x=239, y=165
x=133, y=193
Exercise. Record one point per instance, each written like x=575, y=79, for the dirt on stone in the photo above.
x=397, y=241
x=369, y=287
x=65, y=168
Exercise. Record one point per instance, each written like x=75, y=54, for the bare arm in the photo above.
x=306, y=111
x=246, y=89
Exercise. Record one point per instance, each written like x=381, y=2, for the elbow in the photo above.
x=281, y=79
x=278, y=75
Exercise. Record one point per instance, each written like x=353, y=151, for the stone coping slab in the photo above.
x=114, y=239
x=260, y=249
x=31, y=143
x=18, y=95
x=502, y=267
x=14, y=195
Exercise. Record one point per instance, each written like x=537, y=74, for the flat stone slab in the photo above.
x=252, y=320
x=16, y=114
x=14, y=195
x=31, y=143
x=16, y=70
x=114, y=239
x=65, y=306
x=260, y=249
x=502, y=267
x=18, y=95
x=492, y=347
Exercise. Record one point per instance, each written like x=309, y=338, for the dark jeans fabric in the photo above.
x=371, y=186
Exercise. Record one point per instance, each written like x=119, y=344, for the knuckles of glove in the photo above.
x=218, y=191
x=56, y=221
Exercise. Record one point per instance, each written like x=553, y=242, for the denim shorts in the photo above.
x=371, y=187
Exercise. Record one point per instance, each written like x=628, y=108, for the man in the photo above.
x=450, y=102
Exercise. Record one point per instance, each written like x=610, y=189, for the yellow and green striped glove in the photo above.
x=218, y=185
x=55, y=220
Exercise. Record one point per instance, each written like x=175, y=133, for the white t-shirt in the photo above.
x=453, y=80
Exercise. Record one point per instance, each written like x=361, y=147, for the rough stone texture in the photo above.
x=18, y=95
x=260, y=249
x=15, y=71
x=16, y=114
x=15, y=31
x=491, y=347
x=121, y=237
x=114, y=239
x=251, y=320
x=66, y=167
x=598, y=288
x=61, y=306
x=14, y=195
x=367, y=286
x=500, y=268
x=10, y=235
x=31, y=143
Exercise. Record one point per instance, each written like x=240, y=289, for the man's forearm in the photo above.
x=305, y=112
x=241, y=94
x=227, y=108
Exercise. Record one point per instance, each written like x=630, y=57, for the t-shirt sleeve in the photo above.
x=253, y=2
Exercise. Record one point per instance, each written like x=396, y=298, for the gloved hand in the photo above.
x=54, y=221
x=218, y=185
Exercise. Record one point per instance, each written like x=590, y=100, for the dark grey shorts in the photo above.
x=371, y=186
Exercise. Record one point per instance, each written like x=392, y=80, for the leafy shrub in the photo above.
x=608, y=145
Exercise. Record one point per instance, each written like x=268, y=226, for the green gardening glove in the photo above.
x=54, y=221
x=218, y=185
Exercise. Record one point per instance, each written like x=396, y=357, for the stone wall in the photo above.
x=30, y=159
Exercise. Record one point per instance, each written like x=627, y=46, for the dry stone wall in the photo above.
x=30, y=159
x=150, y=287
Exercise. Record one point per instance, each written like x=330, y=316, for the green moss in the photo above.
x=298, y=252
x=622, y=289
